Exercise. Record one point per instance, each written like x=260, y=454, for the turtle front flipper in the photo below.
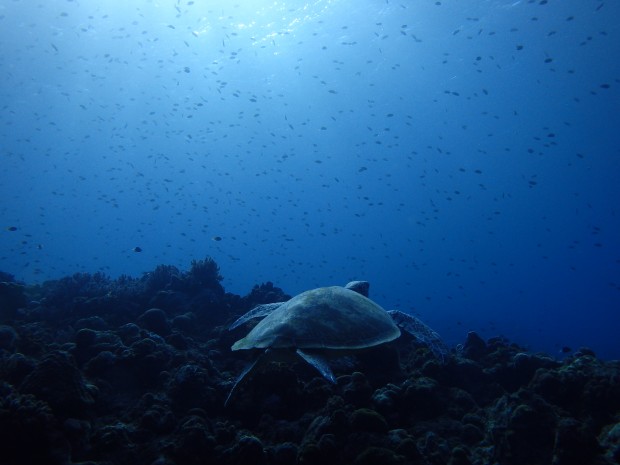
x=259, y=311
x=319, y=363
x=422, y=332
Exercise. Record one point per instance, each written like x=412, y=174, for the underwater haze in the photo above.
x=462, y=156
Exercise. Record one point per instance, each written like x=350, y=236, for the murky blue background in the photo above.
x=464, y=157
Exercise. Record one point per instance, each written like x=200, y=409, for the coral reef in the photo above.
x=136, y=370
x=12, y=297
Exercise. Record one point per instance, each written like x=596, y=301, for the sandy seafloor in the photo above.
x=137, y=370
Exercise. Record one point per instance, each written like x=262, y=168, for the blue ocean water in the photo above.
x=464, y=157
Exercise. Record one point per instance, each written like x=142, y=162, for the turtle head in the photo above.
x=361, y=287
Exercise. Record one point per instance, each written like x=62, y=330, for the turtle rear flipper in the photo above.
x=319, y=363
x=270, y=355
x=262, y=360
x=243, y=374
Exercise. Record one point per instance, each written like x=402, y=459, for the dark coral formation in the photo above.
x=136, y=370
x=11, y=296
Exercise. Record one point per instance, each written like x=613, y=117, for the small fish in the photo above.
x=137, y=249
x=216, y=238
x=11, y=228
x=566, y=350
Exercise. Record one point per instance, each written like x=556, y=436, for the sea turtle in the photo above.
x=326, y=322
